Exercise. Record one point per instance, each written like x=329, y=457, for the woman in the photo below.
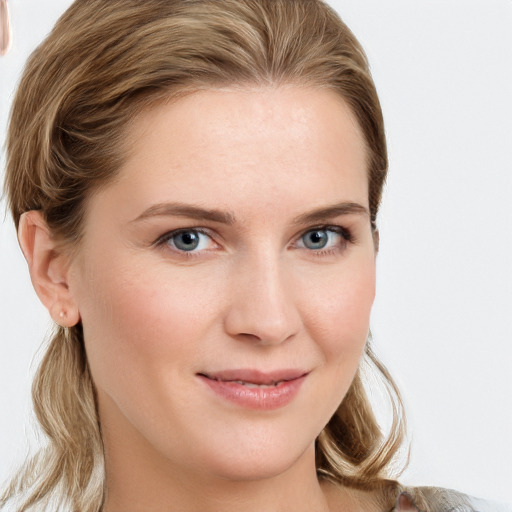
x=195, y=187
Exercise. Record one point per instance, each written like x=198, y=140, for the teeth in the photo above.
x=253, y=385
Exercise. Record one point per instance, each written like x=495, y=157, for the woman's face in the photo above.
x=234, y=251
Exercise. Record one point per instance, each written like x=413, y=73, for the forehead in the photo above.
x=226, y=146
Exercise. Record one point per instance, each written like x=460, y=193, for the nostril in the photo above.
x=268, y=337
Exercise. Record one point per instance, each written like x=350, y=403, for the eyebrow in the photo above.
x=225, y=217
x=330, y=212
x=186, y=210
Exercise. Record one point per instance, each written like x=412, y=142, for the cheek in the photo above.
x=137, y=322
x=140, y=317
x=339, y=312
x=339, y=324
x=143, y=313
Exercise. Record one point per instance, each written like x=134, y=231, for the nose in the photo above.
x=263, y=305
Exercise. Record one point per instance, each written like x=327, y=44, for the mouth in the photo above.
x=273, y=384
x=255, y=378
x=254, y=389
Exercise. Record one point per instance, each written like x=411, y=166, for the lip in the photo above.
x=254, y=389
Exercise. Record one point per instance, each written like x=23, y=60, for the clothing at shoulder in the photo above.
x=435, y=499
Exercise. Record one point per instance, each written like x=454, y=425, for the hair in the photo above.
x=102, y=65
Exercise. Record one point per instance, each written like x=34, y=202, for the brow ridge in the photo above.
x=229, y=218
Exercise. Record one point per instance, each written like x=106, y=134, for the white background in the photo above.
x=443, y=317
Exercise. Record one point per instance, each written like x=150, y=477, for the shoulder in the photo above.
x=436, y=499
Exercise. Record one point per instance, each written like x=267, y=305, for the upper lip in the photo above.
x=255, y=376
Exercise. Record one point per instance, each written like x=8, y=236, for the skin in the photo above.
x=252, y=295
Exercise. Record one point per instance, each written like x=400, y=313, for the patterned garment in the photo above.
x=435, y=499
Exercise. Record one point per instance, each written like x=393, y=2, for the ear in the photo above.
x=376, y=239
x=48, y=264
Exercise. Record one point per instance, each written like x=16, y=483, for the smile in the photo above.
x=253, y=389
x=254, y=385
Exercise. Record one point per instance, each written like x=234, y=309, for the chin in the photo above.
x=262, y=458
x=254, y=469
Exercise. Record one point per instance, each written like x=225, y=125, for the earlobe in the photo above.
x=48, y=265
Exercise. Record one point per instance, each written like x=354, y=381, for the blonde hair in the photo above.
x=105, y=62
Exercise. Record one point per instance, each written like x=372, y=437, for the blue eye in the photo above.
x=316, y=239
x=323, y=238
x=189, y=240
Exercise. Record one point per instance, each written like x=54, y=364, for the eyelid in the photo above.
x=346, y=235
x=336, y=228
x=164, y=239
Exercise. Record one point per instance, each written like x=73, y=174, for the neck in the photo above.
x=143, y=487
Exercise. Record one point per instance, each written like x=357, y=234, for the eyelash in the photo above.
x=346, y=235
x=164, y=239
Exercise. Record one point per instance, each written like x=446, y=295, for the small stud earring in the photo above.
x=62, y=314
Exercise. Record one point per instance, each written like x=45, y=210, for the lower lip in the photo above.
x=259, y=398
